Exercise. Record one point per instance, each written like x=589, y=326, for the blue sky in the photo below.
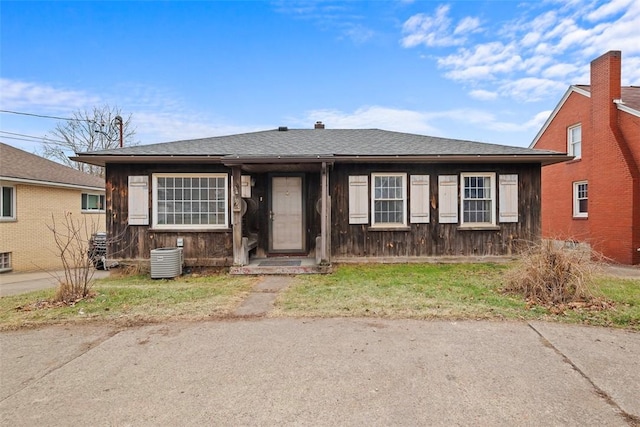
x=487, y=71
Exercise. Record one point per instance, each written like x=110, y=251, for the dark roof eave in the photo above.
x=102, y=160
x=273, y=159
x=543, y=159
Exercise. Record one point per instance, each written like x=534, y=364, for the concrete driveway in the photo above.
x=321, y=372
x=18, y=283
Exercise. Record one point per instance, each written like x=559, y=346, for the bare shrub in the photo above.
x=128, y=269
x=72, y=241
x=553, y=274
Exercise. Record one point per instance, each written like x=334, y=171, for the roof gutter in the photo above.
x=50, y=183
x=102, y=160
x=241, y=160
x=544, y=159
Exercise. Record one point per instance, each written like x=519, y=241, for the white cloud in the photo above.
x=483, y=95
x=559, y=70
x=154, y=127
x=419, y=122
x=631, y=71
x=338, y=16
x=537, y=54
x=370, y=117
x=436, y=30
x=359, y=34
x=156, y=115
x=484, y=61
x=15, y=94
x=608, y=9
x=467, y=25
x=531, y=89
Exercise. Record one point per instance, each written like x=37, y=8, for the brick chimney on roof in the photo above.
x=318, y=125
x=606, y=80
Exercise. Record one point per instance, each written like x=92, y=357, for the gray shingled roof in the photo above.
x=630, y=95
x=18, y=164
x=321, y=142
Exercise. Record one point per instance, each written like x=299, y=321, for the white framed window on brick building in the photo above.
x=478, y=192
x=581, y=199
x=5, y=261
x=574, y=141
x=92, y=202
x=8, y=203
x=389, y=199
x=190, y=201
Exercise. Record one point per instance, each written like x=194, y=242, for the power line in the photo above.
x=18, y=138
x=13, y=135
x=46, y=117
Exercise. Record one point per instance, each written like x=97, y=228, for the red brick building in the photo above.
x=595, y=198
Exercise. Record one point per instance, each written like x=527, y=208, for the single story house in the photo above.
x=36, y=192
x=329, y=194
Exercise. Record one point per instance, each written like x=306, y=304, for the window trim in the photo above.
x=101, y=197
x=403, y=224
x=576, y=200
x=571, y=144
x=492, y=199
x=13, y=215
x=154, y=201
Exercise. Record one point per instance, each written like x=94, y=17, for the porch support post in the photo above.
x=236, y=197
x=324, y=205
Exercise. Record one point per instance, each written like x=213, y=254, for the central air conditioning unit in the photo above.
x=166, y=263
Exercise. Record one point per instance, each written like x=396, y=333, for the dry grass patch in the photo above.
x=558, y=277
x=132, y=300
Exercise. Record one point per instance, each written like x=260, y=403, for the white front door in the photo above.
x=287, y=228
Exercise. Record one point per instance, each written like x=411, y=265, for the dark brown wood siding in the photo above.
x=434, y=239
x=135, y=242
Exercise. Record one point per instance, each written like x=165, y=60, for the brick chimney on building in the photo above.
x=318, y=125
x=606, y=81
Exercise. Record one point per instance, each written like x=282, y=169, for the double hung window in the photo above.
x=574, y=141
x=581, y=199
x=389, y=199
x=478, y=198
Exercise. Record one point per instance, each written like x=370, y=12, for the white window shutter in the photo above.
x=419, y=199
x=245, y=186
x=508, y=198
x=138, y=200
x=448, y=199
x=358, y=199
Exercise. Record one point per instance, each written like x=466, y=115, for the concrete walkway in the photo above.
x=260, y=301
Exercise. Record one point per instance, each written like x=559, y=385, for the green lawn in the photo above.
x=442, y=291
x=416, y=291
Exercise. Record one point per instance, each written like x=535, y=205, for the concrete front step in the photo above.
x=282, y=270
